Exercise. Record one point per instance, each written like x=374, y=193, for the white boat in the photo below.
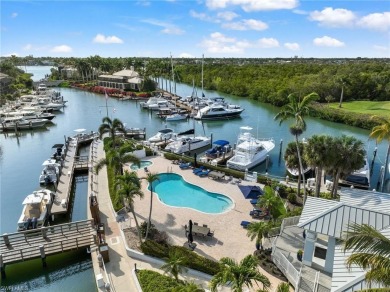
x=19, y=123
x=250, y=151
x=50, y=173
x=185, y=144
x=218, y=111
x=176, y=117
x=160, y=104
x=162, y=135
x=152, y=100
x=36, y=209
x=359, y=178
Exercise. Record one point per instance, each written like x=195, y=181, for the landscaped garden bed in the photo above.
x=266, y=263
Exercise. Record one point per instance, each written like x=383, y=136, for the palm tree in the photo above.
x=297, y=109
x=382, y=132
x=283, y=287
x=319, y=155
x=269, y=201
x=150, y=178
x=258, y=230
x=350, y=157
x=292, y=161
x=188, y=287
x=129, y=188
x=174, y=265
x=370, y=251
x=117, y=158
x=111, y=127
x=239, y=275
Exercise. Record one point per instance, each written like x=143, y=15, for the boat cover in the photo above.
x=221, y=142
x=251, y=192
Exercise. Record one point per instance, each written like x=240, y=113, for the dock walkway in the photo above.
x=45, y=241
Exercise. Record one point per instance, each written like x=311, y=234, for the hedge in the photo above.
x=191, y=259
x=152, y=281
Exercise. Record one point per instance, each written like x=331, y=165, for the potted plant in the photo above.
x=299, y=255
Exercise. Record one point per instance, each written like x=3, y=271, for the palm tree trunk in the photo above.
x=386, y=168
x=301, y=170
x=318, y=180
x=136, y=224
x=150, y=214
x=335, y=184
x=341, y=96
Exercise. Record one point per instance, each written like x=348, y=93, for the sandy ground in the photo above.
x=230, y=239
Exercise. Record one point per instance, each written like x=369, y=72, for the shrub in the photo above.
x=292, y=198
x=152, y=281
x=150, y=247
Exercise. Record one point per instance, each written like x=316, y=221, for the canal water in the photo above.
x=22, y=155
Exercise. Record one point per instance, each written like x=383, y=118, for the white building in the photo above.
x=325, y=223
x=125, y=79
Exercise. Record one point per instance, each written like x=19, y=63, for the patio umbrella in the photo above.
x=190, y=237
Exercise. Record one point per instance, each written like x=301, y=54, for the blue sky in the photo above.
x=215, y=28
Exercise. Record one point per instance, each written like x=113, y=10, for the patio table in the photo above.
x=201, y=230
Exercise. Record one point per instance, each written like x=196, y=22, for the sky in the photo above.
x=192, y=28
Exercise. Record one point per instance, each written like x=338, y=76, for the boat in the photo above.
x=162, y=135
x=178, y=116
x=218, y=111
x=152, y=100
x=50, y=173
x=186, y=143
x=250, y=151
x=221, y=147
x=36, y=209
x=19, y=123
x=359, y=178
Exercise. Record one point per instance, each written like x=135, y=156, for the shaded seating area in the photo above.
x=259, y=214
x=251, y=192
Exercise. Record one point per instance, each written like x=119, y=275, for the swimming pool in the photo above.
x=174, y=191
x=143, y=163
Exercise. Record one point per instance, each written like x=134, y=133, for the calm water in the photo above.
x=22, y=156
x=173, y=190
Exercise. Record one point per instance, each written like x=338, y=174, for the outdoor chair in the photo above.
x=204, y=225
x=210, y=234
x=195, y=223
x=203, y=173
x=185, y=165
x=197, y=170
x=245, y=224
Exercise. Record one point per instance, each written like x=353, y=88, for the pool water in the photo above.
x=143, y=163
x=174, y=191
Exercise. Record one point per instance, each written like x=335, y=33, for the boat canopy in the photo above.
x=221, y=143
x=166, y=130
x=33, y=198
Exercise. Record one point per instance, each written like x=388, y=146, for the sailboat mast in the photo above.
x=202, y=73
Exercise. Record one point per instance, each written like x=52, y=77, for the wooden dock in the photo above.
x=39, y=243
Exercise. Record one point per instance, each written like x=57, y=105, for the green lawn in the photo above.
x=379, y=108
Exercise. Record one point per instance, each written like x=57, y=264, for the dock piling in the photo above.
x=43, y=255
x=2, y=267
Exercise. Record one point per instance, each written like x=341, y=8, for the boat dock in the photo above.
x=45, y=241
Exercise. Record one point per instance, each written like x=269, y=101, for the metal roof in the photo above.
x=349, y=280
x=367, y=199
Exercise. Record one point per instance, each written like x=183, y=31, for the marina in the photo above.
x=83, y=111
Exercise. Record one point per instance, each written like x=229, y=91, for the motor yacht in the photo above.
x=185, y=144
x=250, y=151
x=50, y=173
x=162, y=135
x=217, y=111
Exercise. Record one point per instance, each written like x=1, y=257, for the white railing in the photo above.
x=286, y=267
x=290, y=221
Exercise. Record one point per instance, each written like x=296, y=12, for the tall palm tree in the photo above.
x=319, y=155
x=111, y=127
x=292, y=161
x=150, y=178
x=116, y=158
x=239, y=275
x=297, y=109
x=188, y=287
x=258, y=230
x=370, y=251
x=380, y=133
x=174, y=265
x=129, y=188
x=351, y=154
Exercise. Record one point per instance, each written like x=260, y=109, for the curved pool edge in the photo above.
x=232, y=207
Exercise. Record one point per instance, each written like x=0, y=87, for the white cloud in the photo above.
x=172, y=30
x=13, y=15
x=227, y=15
x=292, y=46
x=300, y=12
x=11, y=54
x=333, y=17
x=246, y=24
x=267, y=43
x=168, y=27
x=27, y=47
x=219, y=43
x=186, y=55
x=202, y=16
x=326, y=41
x=253, y=5
x=102, y=39
x=61, y=49
x=376, y=21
